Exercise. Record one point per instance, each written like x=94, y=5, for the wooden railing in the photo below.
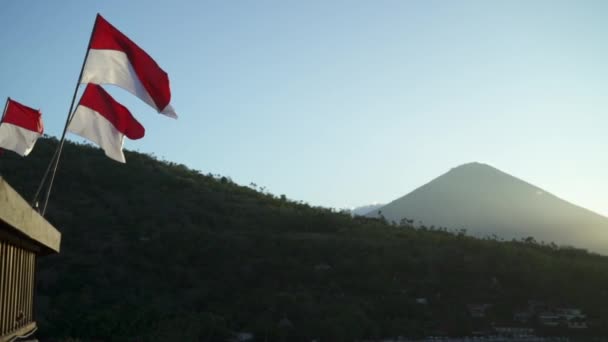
x=17, y=270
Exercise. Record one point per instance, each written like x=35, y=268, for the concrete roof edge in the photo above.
x=17, y=213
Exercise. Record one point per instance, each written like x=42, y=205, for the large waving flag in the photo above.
x=114, y=59
x=104, y=121
x=20, y=127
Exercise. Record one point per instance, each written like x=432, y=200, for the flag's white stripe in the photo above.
x=114, y=67
x=91, y=125
x=17, y=138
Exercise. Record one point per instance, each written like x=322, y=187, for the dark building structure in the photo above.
x=24, y=236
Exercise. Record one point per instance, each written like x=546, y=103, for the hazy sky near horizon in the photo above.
x=345, y=103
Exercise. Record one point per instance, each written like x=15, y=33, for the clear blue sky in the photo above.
x=345, y=103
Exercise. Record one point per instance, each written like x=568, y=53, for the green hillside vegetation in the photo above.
x=155, y=251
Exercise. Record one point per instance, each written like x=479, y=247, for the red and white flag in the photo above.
x=114, y=59
x=104, y=121
x=21, y=126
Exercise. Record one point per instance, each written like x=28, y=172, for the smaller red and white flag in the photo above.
x=21, y=126
x=113, y=58
x=102, y=120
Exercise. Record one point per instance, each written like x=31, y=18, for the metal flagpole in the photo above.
x=5, y=108
x=34, y=203
x=8, y=98
x=67, y=123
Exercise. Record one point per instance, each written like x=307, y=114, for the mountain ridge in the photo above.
x=545, y=192
x=366, y=209
x=486, y=201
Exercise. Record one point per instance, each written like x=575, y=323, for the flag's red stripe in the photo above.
x=23, y=116
x=96, y=98
x=153, y=78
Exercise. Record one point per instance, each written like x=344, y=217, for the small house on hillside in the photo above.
x=242, y=336
x=536, y=306
x=549, y=319
x=522, y=316
x=422, y=301
x=572, y=318
x=478, y=310
x=514, y=332
x=24, y=236
x=571, y=313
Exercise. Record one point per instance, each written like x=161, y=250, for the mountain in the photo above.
x=155, y=251
x=487, y=201
x=366, y=209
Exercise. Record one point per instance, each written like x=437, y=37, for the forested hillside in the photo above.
x=154, y=251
